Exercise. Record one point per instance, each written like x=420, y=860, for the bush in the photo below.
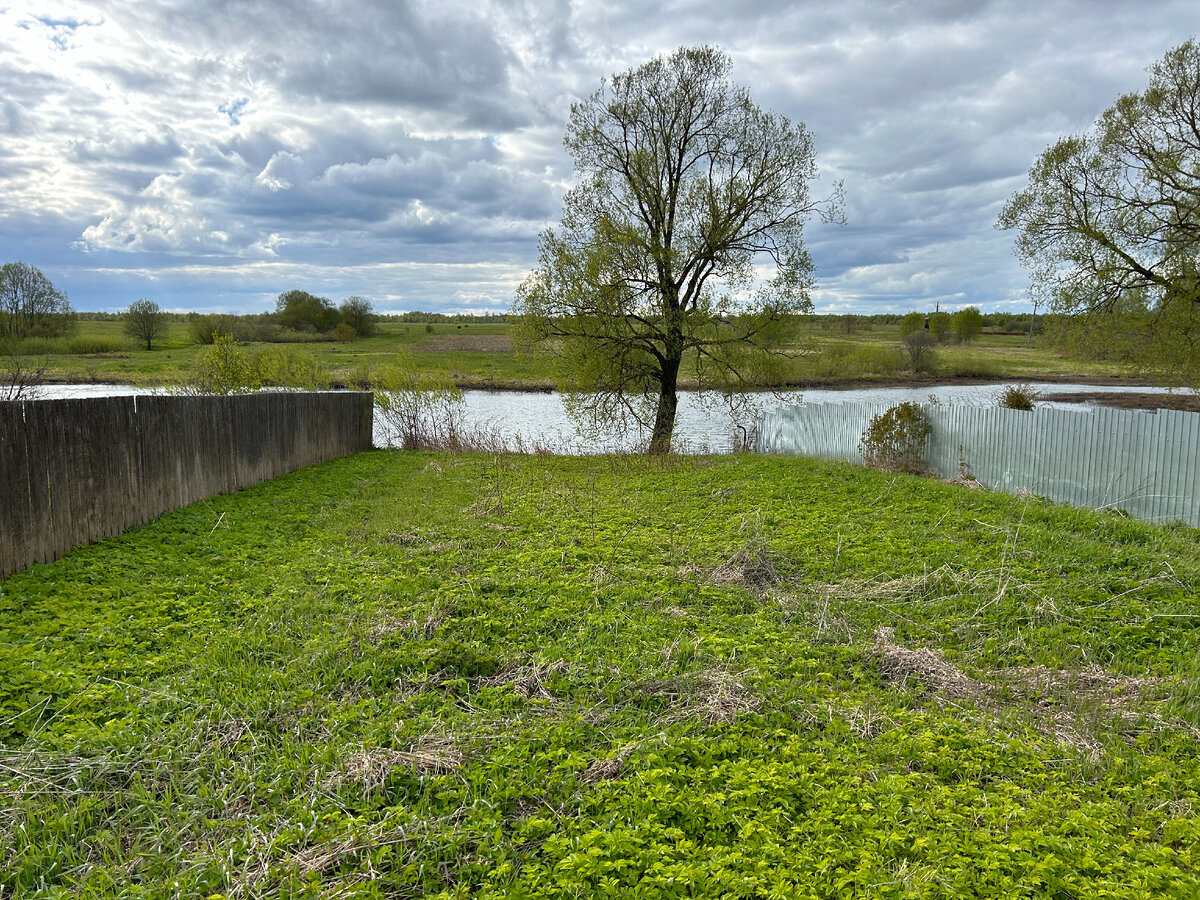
x=1018, y=396
x=419, y=411
x=204, y=329
x=224, y=368
x=967, y=324
x=940, y=327
x=290, y=367
x=917, y=348
x=912, y=323
x=345, y=333
x=895, y=440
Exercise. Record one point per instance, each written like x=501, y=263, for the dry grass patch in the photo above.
x=901, y=665
x=387, y=624
x=529, y=681
x=752, y=565
x=608, y=768
x=431, y=755
x=712, y=696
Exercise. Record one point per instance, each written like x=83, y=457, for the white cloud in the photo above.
x=331, y=140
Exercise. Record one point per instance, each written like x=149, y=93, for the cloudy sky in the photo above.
x=209, y=154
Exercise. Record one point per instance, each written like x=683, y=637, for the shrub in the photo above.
x=345, y=333
x=290, y=367
x=21, y=379
x=203, y=329
x=917, y=348
x=967, y=324
x=224, y=368
x=940, y=327
x=912, y=323
x=419, y=411
x=1018, y=396
x=895, y=440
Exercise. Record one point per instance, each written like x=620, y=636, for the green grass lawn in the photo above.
x=481, y=355
x=409, y=674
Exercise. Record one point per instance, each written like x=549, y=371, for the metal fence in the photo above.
x=73, y=471
x=1145, y=463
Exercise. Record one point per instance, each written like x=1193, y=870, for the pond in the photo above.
x=704, y=423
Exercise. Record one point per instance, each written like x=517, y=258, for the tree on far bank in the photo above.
x=684, y=184
x=145, y=321
x=30, y=305
x=940, y=326
x=912, y=323
x=1109, y=223
x=359, y=314
x=302, y=311
x=967, y=324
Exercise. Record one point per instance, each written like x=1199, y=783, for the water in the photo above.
x=703, y=423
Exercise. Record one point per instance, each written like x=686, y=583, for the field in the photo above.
x=480, y=354
x=412, y=674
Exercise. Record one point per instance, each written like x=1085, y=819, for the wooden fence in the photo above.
x=74, y=471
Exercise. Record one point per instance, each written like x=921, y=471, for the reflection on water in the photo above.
x=703, y=425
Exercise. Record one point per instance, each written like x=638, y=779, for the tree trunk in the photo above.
x=668, y=403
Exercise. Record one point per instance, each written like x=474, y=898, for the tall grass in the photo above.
x=72, y=346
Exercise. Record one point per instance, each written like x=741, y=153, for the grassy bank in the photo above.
x=481, y=355
x=403, y=675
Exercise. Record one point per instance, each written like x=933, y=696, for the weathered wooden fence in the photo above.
x=1145, y=463
x=73, y=471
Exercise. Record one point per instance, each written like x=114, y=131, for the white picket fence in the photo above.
x=1145, y=463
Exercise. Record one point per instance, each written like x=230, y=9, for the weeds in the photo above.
x=352, y=687
x=1018, y=396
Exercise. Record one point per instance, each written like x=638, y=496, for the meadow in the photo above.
x=431, y=675
x=480, y=354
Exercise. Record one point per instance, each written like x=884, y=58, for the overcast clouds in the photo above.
x=209, y=155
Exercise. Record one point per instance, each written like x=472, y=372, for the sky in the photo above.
x=211, y=154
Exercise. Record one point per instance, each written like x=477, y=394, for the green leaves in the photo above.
x=541, y=676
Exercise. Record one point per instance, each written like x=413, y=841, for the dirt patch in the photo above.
x=1132, y=400
x=479, y=343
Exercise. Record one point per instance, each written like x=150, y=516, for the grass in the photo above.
x=416, y=674
x=481, y=355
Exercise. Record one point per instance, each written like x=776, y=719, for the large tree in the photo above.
x=303, y=311
x=31, y=304
x=684, y=186
x=1110, y=220
x=145, y=321
x=359, y=314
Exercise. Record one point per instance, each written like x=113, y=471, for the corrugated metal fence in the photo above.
x=1145, y=463
x=73, y=471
